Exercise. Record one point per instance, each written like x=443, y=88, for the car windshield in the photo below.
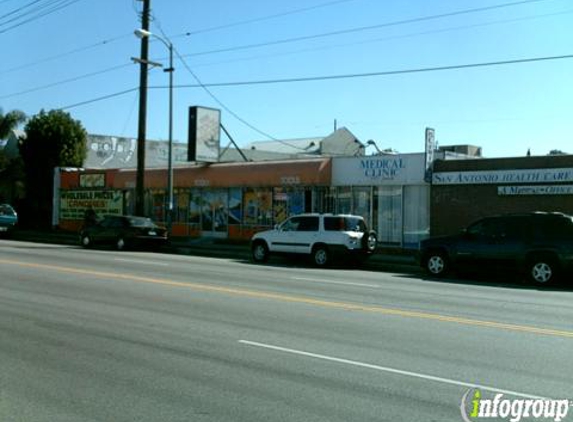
x=7, y=210
x=141, y=222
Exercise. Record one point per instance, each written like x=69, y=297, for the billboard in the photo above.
x=204, y=134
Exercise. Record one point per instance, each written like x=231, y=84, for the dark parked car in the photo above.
x=537, y=244
x=8, y=219
x=123, y=232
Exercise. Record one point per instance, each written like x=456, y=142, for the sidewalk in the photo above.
x=384, y=259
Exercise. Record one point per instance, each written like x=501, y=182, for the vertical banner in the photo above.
x=429, y=153
x=204, y=134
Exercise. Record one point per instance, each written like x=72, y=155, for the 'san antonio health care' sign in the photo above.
x=504, y=176
x=73, y=204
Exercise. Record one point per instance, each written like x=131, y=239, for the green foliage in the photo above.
x=10, y=121
x=53, y=139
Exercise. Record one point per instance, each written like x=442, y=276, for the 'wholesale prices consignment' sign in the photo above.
x=73, y=204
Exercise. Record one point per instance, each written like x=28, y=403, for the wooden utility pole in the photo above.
x=141, y=134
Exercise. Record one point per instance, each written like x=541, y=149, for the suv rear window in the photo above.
x=346, y=224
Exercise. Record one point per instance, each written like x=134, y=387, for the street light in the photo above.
x=142, y=33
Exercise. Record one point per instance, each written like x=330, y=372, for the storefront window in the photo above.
x=416, y=215
x=344, y=200
x=195, y=205
x=235, y=206
x=181, y=202
x=214, y=211
x=158, y=204
x=257, y=206
x=361, y=202
x=287, y=202
x=324, y=200
x=390, y=215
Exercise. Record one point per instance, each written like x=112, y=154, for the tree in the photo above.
x=10, y=121
x=53, y=139
x=11, y=175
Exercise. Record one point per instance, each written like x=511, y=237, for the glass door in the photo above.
x=215, y=213
x=390, y=215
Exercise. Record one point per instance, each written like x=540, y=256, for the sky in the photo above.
x=440, y=64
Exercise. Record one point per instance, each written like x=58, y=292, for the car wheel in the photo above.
x=370, y=241
x=320, y=256
x=436, y=264
x=542, y=270
x=85, y=241
x=260, y=252
x=120, y=244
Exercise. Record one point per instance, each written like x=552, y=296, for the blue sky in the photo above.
x=505, y=109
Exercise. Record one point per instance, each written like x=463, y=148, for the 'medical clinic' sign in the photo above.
x=378, y=170
x=555, y=175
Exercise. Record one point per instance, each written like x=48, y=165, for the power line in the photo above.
x=19, y=9
x=346, y=76
x=65, y=81
x=67, y=53
x=213, y=96
x=389, y=38
x=102, y=98
x=263, y=18
x=39, y=14
x=76, y=78
x=363, y=28
x=381, y=73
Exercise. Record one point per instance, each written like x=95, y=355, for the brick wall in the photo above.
x=453, y=207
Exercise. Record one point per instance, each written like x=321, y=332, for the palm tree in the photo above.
x=10, y=121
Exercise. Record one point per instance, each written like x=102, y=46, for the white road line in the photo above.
x=344, y=283
x=138, y=261
x=390, y=370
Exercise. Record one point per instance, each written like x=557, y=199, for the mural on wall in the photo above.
x=110, y=152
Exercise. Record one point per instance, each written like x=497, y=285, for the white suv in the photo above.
x=319, y=235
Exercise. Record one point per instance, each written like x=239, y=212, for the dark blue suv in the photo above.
x=538, y=245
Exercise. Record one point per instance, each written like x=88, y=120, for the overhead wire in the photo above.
x=260, y=19
x=388, y=38
x=362, y=28
x=344, y=76
x=65, y=81
x=214, y=97
x=67, y=53
x=37, y=14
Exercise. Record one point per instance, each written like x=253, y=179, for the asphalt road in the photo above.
x=104, y=336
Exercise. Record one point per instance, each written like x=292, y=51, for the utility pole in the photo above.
x=141, y=134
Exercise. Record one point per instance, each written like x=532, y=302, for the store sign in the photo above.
x=382, y=168
x=73, y=204
x=535, y=190
x=92, y=180
x=430, y=148
x=204, y=134
x=378, y=170
x=504, y=176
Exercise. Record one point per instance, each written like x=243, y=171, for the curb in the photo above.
x=383, y=261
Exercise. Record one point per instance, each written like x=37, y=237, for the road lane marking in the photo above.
x=140, y=261
x=388, y=369
x=343, y=283
x=258, y=294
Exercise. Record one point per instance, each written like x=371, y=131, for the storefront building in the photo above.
x=234, y=200
x=466, y=190
x=389, y=191
x=220, y=200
